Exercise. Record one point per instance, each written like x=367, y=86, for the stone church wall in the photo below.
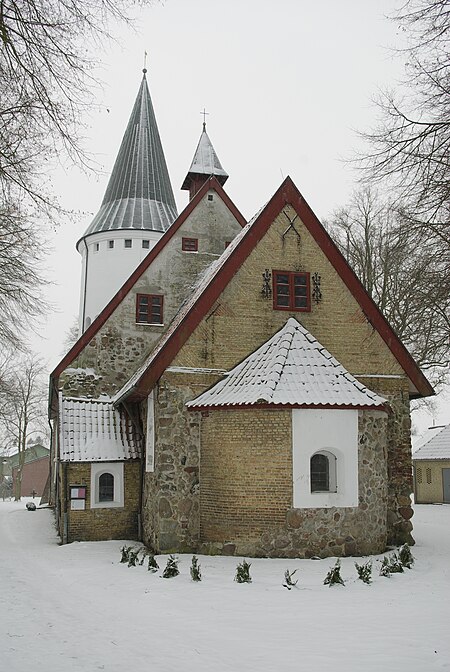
x=246, y=490
x=120, y=345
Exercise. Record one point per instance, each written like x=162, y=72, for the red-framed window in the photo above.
x=291, y=291
x=189, y=244
x=149, y=308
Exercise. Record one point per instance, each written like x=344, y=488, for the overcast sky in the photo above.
x=286, y=84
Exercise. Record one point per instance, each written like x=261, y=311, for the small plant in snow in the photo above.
x=243, y=572
x=133, y=557
x=405, y=556
x=152, y=564
x=395, y=565
x=288, y=581
x=334, y=575
x=171, y=569
x=385, y=569
x=364, y=571
x=125, y=550
x=196, y=574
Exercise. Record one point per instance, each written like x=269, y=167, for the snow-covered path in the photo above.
x=76, y=608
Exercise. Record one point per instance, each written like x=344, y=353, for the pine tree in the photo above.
x=334, y=575
x=196, y=574
x=243, y=572
x=171, y=568
x=152, y=564
x=364, y=571
x=405, y=556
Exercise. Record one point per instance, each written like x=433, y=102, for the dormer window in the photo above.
x=291, y=291
x=149, y=309
x=189, y=244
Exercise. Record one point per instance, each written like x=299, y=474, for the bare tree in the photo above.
x=23, y=408
x=48, y=57
x=411, y=145
x=404, y=272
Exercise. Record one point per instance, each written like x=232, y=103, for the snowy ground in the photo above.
x=76, y=608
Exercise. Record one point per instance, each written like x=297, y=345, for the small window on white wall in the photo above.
x=107, y=485
x=323, y=472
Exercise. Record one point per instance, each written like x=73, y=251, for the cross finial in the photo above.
x=145, y=63
x=204, y=112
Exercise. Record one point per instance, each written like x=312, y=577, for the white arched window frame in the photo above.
x=115, y=469
x=323, y=471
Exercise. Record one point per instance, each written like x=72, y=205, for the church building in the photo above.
x=234, y=388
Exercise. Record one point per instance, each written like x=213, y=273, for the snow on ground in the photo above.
x=75, y=608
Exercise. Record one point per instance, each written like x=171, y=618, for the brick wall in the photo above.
x=100, y=524
x=246, y=473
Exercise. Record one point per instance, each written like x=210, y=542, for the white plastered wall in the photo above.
x=335, y=431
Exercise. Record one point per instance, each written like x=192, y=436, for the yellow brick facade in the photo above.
x=99, y=523
x=428, y=481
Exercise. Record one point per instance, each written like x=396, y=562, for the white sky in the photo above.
x=285, y=83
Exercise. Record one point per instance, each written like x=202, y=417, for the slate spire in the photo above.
x=204, y=164
x=139, y=194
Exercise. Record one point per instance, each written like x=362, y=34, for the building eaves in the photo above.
x=291, y=369
x=437, y=448
x=94, y=431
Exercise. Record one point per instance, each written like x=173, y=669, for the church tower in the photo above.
x=138, y=207
x=204, y=164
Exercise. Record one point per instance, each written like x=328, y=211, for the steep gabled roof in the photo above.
x=139, y=194
x=100, y=320
x=218, y=275
x=205, y=162
x=94, y=431
x=291, y=369
x=437, y=448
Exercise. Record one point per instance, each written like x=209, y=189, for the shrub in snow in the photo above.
x=405, y=556
x=391, y=565
x=243, y=572
x=171, y=569
x=288, y=581
x=196, y=574
x=364, y=571
x=152, y=564
x=125, y=550
x=334, y=575
x=133, y=557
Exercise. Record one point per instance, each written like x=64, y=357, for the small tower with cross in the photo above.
x=204, y=164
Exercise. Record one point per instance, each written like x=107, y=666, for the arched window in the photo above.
x=323, y=472
x=106, y=487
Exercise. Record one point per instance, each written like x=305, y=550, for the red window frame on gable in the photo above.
x=149, y=308
x=291, y=291
x=189, y=244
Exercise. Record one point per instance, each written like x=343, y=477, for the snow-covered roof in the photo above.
x=291, y=368
x=205, y=161
x=437, y=448
x=94, y=431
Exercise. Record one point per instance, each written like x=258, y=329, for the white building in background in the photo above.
x=138, y=207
